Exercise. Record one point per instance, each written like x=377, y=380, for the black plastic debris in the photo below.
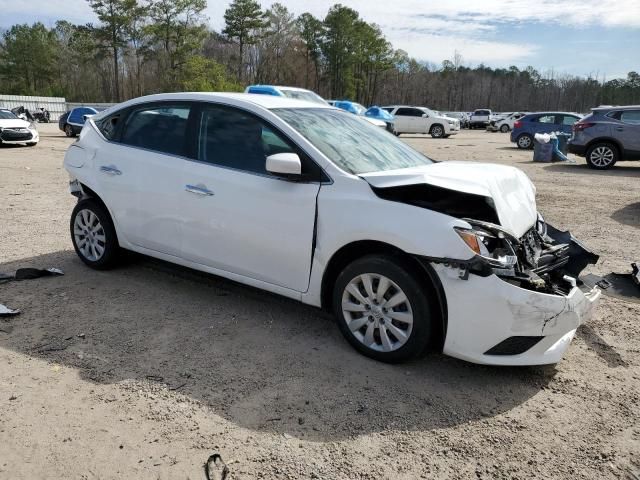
x=25, y=274
x=215, y=468
x=625, y=286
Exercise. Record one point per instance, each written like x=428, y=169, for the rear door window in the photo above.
x=630, y=116
x=569, y=120
x=409, y=112
x=546, y=119
x=158, y=127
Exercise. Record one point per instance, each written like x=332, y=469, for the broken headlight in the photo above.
x=491, y=245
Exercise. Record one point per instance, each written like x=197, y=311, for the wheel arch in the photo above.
x=616, y=143
x=419, y=267
x=436, y=124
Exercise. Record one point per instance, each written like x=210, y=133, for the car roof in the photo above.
x=609, y=107
x=553, y=113
x=266, y=101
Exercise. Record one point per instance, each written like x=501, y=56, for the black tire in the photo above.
x=525, y=142
x=110, y=256
x=397, y=134
x=436, y=131
x=602, y=156
x=504, y=128
x=396, y=270
x=68, y=131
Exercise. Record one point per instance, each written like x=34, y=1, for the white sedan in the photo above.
x=15, y=131
x=312, y=203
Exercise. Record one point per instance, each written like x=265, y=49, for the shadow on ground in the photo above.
x=626, y=169
x=628, y=215
x=261, y=361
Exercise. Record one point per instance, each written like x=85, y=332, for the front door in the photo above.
x=238, y=217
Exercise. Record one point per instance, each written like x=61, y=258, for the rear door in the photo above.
x=403, y=120
x=546, y=123
x=140, y=174
x=628, y=131
x=238, y=217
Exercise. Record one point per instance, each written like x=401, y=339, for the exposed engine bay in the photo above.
x=545, y=259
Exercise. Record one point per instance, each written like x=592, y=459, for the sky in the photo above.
x=579, y=37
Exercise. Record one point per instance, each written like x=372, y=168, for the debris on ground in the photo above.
x=215, y=468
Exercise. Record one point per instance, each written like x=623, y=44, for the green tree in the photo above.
x=115, y=17
x=28, y=56
x=201, y=74
x=243, y=19
x=311, y=32
x=178, y=27
x=338, y=49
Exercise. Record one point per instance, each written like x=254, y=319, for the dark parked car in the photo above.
x=71, y=123
x=541, y=122
x=607, y=135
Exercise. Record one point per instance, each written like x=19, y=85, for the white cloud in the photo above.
x=428, y=29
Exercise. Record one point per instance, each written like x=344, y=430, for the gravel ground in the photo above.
x=144, y=371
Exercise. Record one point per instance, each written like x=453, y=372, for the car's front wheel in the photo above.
x=525, y=141
x=437, y=131
x=504, y=128
x=382, y=309
x=93, y=235
x=602, y=156
x=68, y=131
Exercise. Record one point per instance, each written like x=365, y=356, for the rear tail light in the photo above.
x=517, y=124
x=580, y=126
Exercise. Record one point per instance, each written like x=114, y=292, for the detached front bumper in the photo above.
x=491, y=321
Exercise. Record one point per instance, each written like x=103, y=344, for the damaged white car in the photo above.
x=309, y=202
x=15, y=131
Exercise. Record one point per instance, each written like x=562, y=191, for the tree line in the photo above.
x=139, y=47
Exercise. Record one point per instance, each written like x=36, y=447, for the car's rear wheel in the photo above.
x=504, y=128
x=525, y=141
x=437, y=131
x=602, y=156
x=382, y=309
x=93, y=235
x=68, y=130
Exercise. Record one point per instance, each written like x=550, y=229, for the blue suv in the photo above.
x=541, y=122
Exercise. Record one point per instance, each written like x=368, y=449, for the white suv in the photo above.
x=312, y=203
x=422, y=120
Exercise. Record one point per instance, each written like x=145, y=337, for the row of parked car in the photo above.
x=603, y=137
x=397, y=119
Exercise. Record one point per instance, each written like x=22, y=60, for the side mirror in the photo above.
x=424, y=115
x=286, y=164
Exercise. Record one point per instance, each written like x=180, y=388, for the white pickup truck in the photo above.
x=480, y=118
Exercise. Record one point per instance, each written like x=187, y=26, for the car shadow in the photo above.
x=582, y=168
x=628, y=215
x=262, y=361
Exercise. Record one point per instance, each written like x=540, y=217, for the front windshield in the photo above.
x=303, y=95
x=7, y=115
x=350, y=142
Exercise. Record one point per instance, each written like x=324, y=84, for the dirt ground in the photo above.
x=144, y=371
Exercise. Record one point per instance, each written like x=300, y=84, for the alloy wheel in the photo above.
x=602, y=156
x=437, y=131
x=377, y=312
x=89, y=235
x=524, y=141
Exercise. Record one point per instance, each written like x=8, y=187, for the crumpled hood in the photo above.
x=512, y=192
x=14, y=123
